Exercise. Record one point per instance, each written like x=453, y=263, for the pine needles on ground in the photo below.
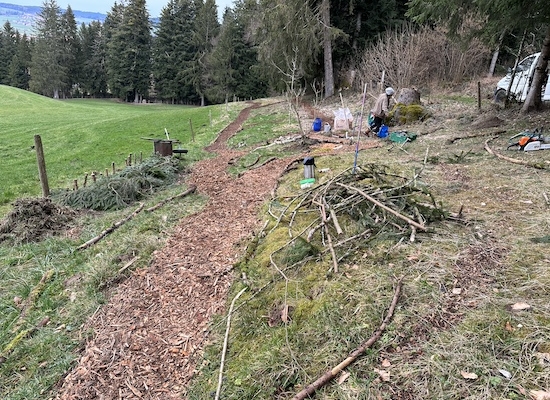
x=119, y=190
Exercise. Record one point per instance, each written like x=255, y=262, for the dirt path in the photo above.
x=149, y=337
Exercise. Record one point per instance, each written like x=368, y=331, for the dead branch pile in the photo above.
x=32, y=219
x=356, y=208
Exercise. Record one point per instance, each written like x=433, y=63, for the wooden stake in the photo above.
x=75, y=184
x=41, y=166
x=192, y=133
x=113, y=167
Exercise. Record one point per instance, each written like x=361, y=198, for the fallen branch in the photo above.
x=254, y=163
x=218, y=390
x=329, y=375
x=190, y=190
x=115, y=226
x=33, y=296
x=385, y=207
x=19, y=337
x=264, y=163
x=474, y=135
x=512, y=160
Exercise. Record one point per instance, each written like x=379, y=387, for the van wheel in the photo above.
x=500, y=96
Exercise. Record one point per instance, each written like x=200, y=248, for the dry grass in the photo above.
x=461, y=279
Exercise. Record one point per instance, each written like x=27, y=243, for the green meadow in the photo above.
x=80, y=136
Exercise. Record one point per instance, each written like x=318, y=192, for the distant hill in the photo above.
x=22, y=17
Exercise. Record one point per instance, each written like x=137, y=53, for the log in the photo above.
x=115, y=226
x=190, y=190
x=331, y=374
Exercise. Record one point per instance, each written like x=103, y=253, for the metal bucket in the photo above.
x=163, y=147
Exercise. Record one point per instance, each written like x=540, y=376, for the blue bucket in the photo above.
x=383, y=132
x=317, y=123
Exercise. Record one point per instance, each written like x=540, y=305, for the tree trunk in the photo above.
x=533, y=100
x=327, y=47
x=495, y=55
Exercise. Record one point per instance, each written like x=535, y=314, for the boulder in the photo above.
x=408, y=96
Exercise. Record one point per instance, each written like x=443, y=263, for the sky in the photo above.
x=103, y=6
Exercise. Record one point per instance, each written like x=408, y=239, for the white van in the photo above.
x=522, y=81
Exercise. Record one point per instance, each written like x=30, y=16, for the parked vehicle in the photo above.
x=522, y=81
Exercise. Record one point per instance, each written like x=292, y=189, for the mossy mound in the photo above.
x=403, y=114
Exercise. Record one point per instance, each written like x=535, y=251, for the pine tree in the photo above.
x=19, y=68
x=128, y=38
x=173, y=52
x=71, y=57
x=48, y=73
x=8, y=46
x=93, y=78
x=206, y=28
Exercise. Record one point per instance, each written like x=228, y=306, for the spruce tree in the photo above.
x=174, y=52
x=48, y=72
x=20, y=65
x=8, y=45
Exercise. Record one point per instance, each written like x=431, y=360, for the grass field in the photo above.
x=80, y=136
x=473, y=318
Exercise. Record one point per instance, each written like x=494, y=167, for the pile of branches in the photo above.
x=124, y=188
x=356, y=207
x=33, y=219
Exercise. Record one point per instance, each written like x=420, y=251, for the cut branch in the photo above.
x=111, y=229
x=385, y=207
x=190, y=190
x=329, y=375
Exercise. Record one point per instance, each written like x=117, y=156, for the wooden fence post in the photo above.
x=41, y=166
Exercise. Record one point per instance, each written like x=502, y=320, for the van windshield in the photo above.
x=525, y=65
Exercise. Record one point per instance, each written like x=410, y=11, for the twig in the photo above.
x=264, y=163
x=379, y=204
x=335, y=222
x=128, y=264
x=220, y=378
x=329, y=375
x=190, y=190
x=250, y=165
x=474, y=135
x=329, y=239
x=111, y=229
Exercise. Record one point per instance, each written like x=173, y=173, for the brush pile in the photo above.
x=33, y=219
x=358, y=207
x=128, y=186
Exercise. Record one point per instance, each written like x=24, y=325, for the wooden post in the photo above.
x=192, y=133
x=75, y=184
x=113, y=166
x=41, y=166
x=106, y=171
x=479, y=95
x=93, y=176
x=85, y=180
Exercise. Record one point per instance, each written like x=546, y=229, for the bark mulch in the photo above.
x=148, y=339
